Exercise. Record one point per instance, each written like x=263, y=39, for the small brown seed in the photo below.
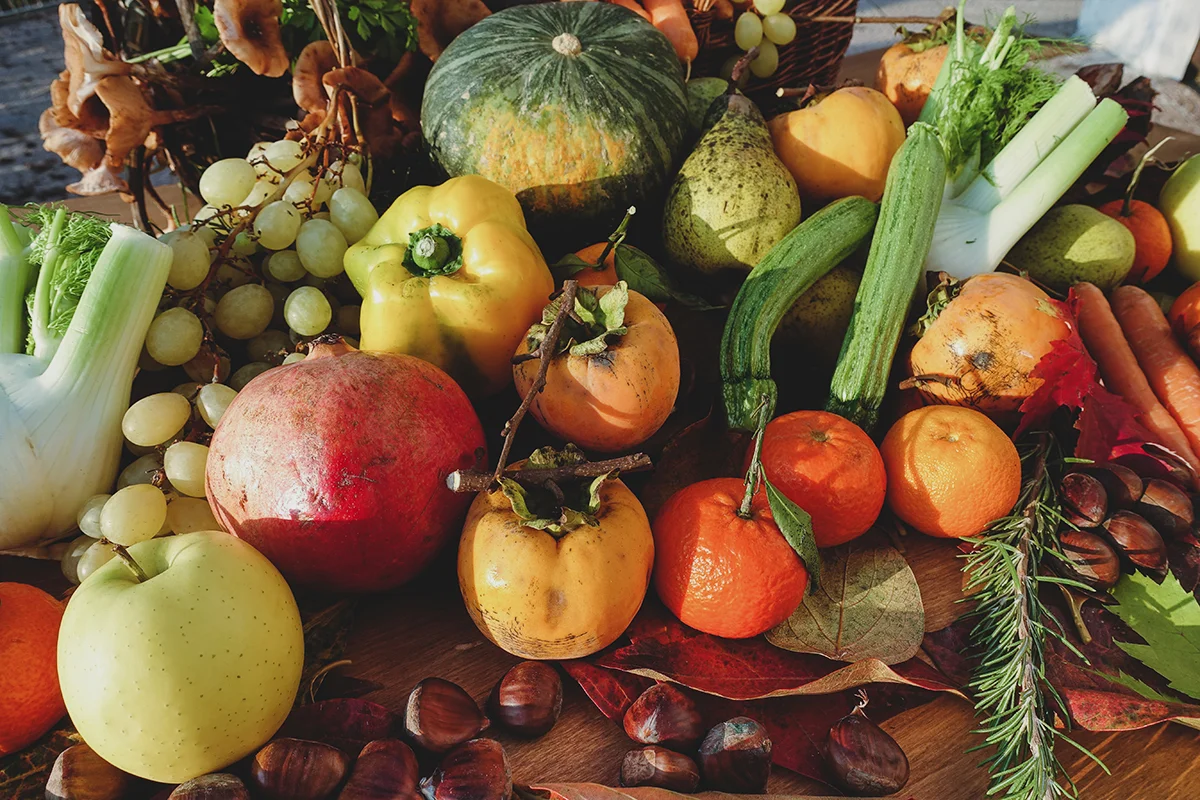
x=441, y=715
x=1088, y=559
x=664, y=715
x=475, y=770
x=658, y=766
x=735, y=756
x=80, y=774
x=297, y=769
x=386, y=769
x=864, y=759
x=528, y=699
x=1166, y=507
x=217, y=786
x=1138, y=541
x=1122, y=485
x=1084, y=500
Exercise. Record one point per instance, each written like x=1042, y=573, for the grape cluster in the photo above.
x=161, y=492
x=764, y=32
x=259, y=268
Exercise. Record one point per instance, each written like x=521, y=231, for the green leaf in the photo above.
x=796, y=526
x=612, y=306
x=646, y=277
x=1168, y=618
x=868, y=606
x=569, y=265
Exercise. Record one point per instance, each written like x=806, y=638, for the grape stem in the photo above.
x=133, y=565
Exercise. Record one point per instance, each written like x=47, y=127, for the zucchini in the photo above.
x=810, y=250
x=912, y=198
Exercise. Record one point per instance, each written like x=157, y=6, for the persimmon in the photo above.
x=605, y=275
x=549, y=578
x=614, y=377
x=981, y=348
x=907, y=73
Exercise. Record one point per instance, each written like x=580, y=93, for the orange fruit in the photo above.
x=828, y=466
x=951, y=471
x=597, y=277
x=1151, y=237
x=30, y=700
x=720, y=573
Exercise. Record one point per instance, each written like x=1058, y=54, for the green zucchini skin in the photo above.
x=912, y=198
x=799, y=260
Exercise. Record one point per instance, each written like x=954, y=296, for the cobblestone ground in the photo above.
x=31, y=55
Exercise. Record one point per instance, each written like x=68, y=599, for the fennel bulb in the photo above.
x=61, y=406
x=1005, y=169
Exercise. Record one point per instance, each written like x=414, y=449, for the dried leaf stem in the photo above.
x=471, y=480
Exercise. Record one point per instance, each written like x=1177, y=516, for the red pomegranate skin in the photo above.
x=335, y=467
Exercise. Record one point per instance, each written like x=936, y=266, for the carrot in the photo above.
x=670, y=18
x=1169, y=371
x=1102, y=335
x=633, y=6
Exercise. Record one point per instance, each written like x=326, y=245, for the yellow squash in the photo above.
x=561, y=592
x=449, y=274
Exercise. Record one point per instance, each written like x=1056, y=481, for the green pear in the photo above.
x=1179, y=202
x=1075, y=243
x=733, y=199
x=816, y=323
x=701, y=92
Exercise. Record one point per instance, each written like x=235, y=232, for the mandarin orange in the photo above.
x=951, y=471
x=30, y=699
x=828, y=466
x=718, y=572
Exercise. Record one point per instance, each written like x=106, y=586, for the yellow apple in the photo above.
x=1180, y=204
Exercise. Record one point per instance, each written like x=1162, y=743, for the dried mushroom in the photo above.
x=439, y=21
x=249, y=29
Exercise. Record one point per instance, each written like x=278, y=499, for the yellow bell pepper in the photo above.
x=450, y=274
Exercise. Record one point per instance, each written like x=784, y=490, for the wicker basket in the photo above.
x=814, y=56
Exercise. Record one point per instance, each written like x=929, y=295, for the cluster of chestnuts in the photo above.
x=733, y=756
x=1120, y=522
x=442, y=723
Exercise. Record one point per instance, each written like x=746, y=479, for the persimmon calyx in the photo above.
x=557, y=507
x=596, y=321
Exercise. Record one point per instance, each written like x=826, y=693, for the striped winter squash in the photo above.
x=579, y=108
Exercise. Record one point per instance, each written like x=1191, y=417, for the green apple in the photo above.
x=1180, y=204
x=190, y=670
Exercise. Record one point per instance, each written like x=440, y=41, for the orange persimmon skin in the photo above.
x=1151, y=236
x=907, y=77
x=597, y=277
x=614, y=400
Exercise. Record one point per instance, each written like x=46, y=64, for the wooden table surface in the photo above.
x=399, y=638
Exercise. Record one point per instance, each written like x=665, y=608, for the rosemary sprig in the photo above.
x=1013, y=699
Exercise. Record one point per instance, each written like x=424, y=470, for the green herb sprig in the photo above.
x=1013, y=699
x=384, y=28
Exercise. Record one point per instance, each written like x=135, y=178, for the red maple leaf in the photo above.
x=1068, y=374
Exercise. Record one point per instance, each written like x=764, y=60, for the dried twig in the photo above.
x=472, y=480
x=545, y=353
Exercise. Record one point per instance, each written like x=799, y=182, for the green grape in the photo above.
x=134, y=514
x=92, y=559
x=307, y=311
x=748, y=31
x=88, y=518
x=155, y=419
x=205, y=213
x=767, y=60
x=73, y=553
x=188, y=390
x=321, y=247
x=247, y=373
x=284, y=154
x=779, y=28
x=243, y=245
x=285, y=266
x=293, y=358
x=244, y=312
x=141, y=470
x=258, y=194
x=226, y=182
x=184, y=463
x=345, y=176
x=212, y=401
x=257, y=150
x=190, y=514
x=277, y=225
x=230, y=275
x=174, y=337
x=352, y=213
x=270, y=345
x=204, y=233
x=766, y=7
x=190, y=259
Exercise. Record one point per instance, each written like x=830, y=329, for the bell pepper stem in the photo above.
x=434, y=250
x=431, y=252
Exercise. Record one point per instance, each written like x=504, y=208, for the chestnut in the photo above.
x=1122, y=485
x=80, y=774
x=475, y=770
x=441, y=715
x=658, y=766
x=1084, y=500
x=386, y=769
x=1088, y=559
x=528, y=699
x=298, y=769
x=664, y=715
x=216, y=786
x=863, y=758
x=735, y=756
x=1139, y=541
x=1166, y=507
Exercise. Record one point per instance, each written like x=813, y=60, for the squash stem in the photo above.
x=754, y=472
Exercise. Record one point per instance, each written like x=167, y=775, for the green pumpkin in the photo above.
x=578, y=108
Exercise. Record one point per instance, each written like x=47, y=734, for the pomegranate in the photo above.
x=335, y=467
